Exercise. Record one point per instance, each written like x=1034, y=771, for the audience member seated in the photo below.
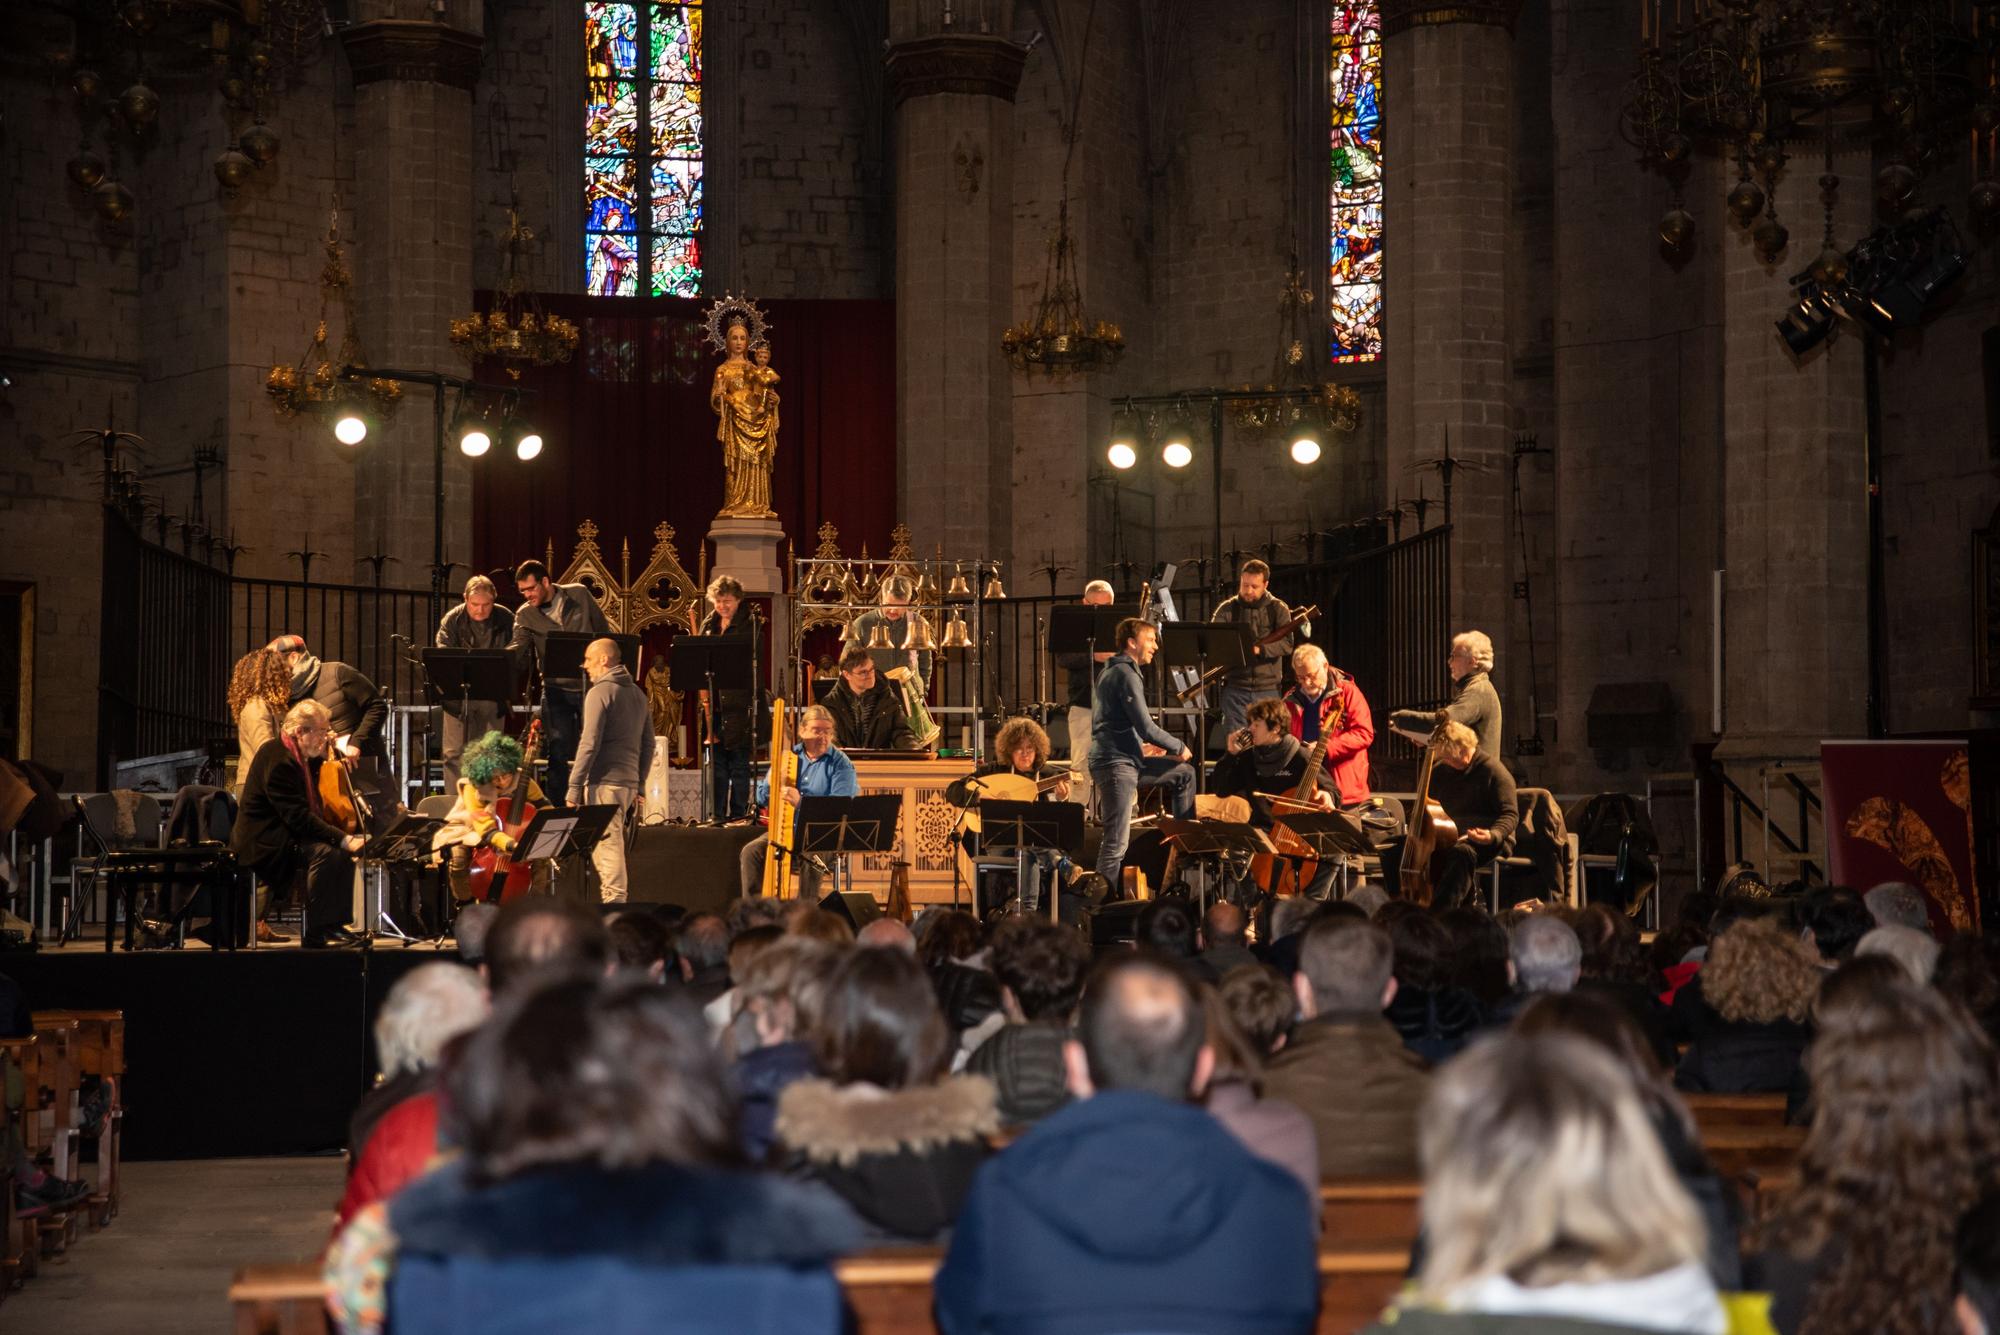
x=1130, y=1209
x=1966, y=973
x=1759, y=983
x=427, y=1008
x=755, y=911
x=1167, y=928
x=1548, y=1203
x=1262, y=1005
x=469, y=930
x=1678, y=951
x=1478, y=958
x=1225, y=939
x=1977, y=1252
x=1040, y=966
x=703, y=946
x=1272, y=1129
x=1369, y=899
x=778, y=999
x=1435, y=1019
x=1898, y=904
x=806, y=919
x=744, y=946
x=1905, y=1138
x=887, y=932
x=1603, y=1023
x=1345, y=1065
x=1288, y=920
x=886, y=1129
x=954, y=956
x=596, y=1191
x=1834, y=919
x=1616, y=966
x=1688, y=1013
x=534, y=936
x=1543, y=955
x=1916, y=951
x=641, y=945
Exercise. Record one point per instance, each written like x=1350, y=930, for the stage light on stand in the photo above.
x=528, y=446
x=1305, y=450
x=1808, y=322
x=1123, y=451
x=1177, y=440
x=1122, y=455
x=1176, y=454
x=522, y=439
x=1304, y=432
x=350, y=428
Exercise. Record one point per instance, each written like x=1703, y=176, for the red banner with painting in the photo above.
x=1902, y=811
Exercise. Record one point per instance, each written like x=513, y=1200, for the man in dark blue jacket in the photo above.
x=1120, y=1211
x=1121, y=731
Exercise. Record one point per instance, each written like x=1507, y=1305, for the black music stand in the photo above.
x=712, y=663
x=407, y=840
x=1079, y=628
x=843, y=825
x=460, y=676
x=1329, y=834
x=1214, y=838
x=1021, y=826
x=1207, y=646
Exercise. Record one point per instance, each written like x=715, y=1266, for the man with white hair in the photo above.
x=1326, y=703
x=1916, y=951
x=1898, y=904
x=1474, y=702
x=427, y=1008
x=282, y=834
x=1544, y=954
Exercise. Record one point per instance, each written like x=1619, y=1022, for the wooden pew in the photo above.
x=101, y=1053
x=278, y=1300
x=54, y=1089
x=888, y=1291
x=1719, y=1110
x=1750, y=1155
x=20, y=1258
x=1371, y=1211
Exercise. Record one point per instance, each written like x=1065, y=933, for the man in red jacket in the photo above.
x=1326, y=700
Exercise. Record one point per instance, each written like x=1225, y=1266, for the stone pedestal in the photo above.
x=746, y=550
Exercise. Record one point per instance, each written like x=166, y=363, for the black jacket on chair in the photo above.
x=276, y=813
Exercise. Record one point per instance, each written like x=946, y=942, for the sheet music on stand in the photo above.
x=1327, y=833
x=1026, y=827
x=843, y=825
x=407, y=840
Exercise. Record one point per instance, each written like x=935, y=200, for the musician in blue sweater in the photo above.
x=1128, y=751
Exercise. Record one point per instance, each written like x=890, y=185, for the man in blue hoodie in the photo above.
x=1122, y=733
x=1119, y=1212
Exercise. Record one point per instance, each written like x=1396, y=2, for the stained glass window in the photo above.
x=1355, y=308
x=642, y=148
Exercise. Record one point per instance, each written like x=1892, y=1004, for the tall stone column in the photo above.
x=1448, y=81
x=413, y=79
x=1795, y=499
x=953, y=94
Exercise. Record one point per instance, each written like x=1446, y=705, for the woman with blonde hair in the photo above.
x=1548, y=1202
x=260, y=690
x=1758, y=986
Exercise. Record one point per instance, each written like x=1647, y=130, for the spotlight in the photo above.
x=1122, y=455
x=1808, y=322
x=351, y=428
x=1176, y=442
x=524, y=440
x=1176, y=454
x=474, y=438
x=1124, y=448
x=1305, y=437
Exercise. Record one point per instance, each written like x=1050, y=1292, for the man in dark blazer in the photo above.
x=282, y=835
x=546, y=607
x=867, y=711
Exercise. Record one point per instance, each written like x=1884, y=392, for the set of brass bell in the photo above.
x=961, y=589
x=922, y=639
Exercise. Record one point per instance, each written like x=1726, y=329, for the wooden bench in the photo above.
x=889, y=1292
x=100, y=1052
x=1374, y=1211
x=19, y=1258
x=1748, y=1155
x=1718, y=1110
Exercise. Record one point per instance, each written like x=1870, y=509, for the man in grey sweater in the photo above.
x=1259, y=612
x=613, y=755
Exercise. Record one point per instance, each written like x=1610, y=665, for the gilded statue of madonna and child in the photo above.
x=745, y=402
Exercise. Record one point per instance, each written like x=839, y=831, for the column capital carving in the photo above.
x=411, y=51
x=1402, y=15
x=955, y=63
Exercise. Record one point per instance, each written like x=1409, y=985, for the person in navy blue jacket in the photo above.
x=1128, y=1209
x=1121, y=731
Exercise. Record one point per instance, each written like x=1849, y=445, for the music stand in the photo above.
x=1329, y=834
x=843, y=825
x=1207, y=645
x=460, y=676
x=1207, y=838
x=711, y=663
x=407, y=840
x=1079, y=628
x=1022, y=826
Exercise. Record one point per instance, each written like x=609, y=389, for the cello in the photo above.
x=1294, y=855
x=1431, y=833
x=498, y=875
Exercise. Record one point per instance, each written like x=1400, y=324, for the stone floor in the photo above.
x=165, y=1263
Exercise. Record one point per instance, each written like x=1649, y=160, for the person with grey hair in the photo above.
x=478, y=622
x=892, y=611
x=469, y=929
x=1544, y=954
x=427, y=1008
x=1369, y=898
x=1474, y=702
x=1346, y=1066
x=1915, y=950
x=1082, y=669
x=1900, y=904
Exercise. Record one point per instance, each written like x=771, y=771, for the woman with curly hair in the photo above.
x=1759, y=985
x=1905, y=1138
x=1020, y=750
x=260, y=691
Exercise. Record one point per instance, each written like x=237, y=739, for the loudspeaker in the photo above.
x=1117, y=924
x=856, y=907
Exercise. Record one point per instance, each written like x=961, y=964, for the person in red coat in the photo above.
x=1326, y=700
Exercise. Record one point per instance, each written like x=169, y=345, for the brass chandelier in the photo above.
x=517, y=332
x=1750, y=78
x=314, y=385
x=1332, y=408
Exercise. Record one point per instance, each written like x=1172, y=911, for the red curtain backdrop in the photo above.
x=1898, y=810
x=630, y=439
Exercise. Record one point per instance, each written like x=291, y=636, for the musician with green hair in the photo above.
x=491, y=768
